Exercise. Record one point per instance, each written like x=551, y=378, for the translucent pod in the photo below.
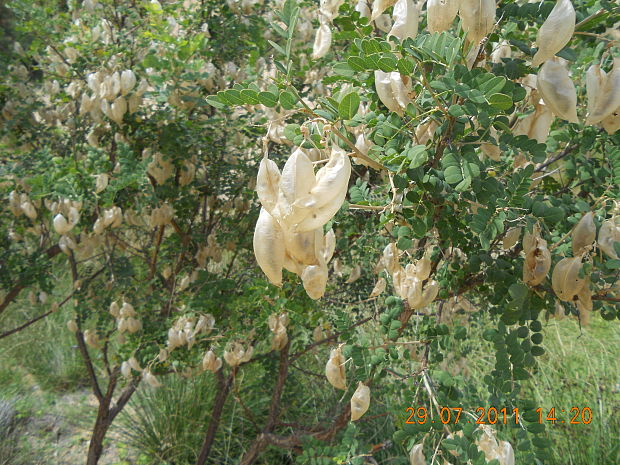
x=360, y=401
x=555, y=32
x=511, y=238
x=607, y=235
x=478, y=18
x=565, y=279
x=612, y=123
x=379, y=288
x=356, y=273
x=416, y=455
x=501, y=50
x=322, y=40
x=334, y=370
x=440, y=14
x=304, y=247
x=390, y=258
x=269, y=247
x=329, y=246
x=296, y=181
x=401, y=87
x=609, y=98
x=537, y=258
x=406, y=17
x=329, y=8
x=268, y=184
x=557, y=89
x=584, y=297
x=314, y=279
x=383, y=85
x=491, y=150
x=362, y=8
x=595, y=79
x=584, y=233
x=379, y=6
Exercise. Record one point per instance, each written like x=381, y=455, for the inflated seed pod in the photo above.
x=501, y=50
x=211, y=362
x=478, y=18
x=584, y=297
x=314, y=278
x=356, y=273
x=401, y=88
x=322, y=40
x=334, y=370
x=61, y=225
x=383, y=85
x=565, y=279
x=416, y=455
x=303, y=247
x=595, y=80
x=612, y=123
x=609, y=98
x=269, y=247
x=390, y=258
x=363, y=9
x=557, y=89
x=329, y=8
x=607, y=235
x=555, y=32
x=491, y=150
x=379, y=288
x=72, y=326
x=360, y=401
x=584, y=234
x=511, y=238
x=440, y=14
x=268, y=184
x=296, y=181
x=133, y=364
x=537, y=258
x=406, y=16
x=150, y=379
x=379, y=6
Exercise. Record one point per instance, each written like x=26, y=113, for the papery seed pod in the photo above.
x=211, y=362
x=607, y=235
x=127, y=310
x=115, y=310
x=555, y=32
x=296, y=181
x=379, y=6
x=72, y=326
x=501, y=50
x=101, y=182
x=187, y=173
x=133, y=325
x=406, y=17
x=537, y=258
x=491, y=150
x=322, y=40
x=329, y=8
x=595, y=80
x=317, y=334
x=314, y=279
x=362, y=8
x=383, y=86
x=506, y=454
x=401, y=88
x=127, y=81
x=487, y=443
x=279, y=340
x=118, y=110
x=61, y=226
x=329, y=246
x=440, y=14
x=334, y=370
x=557, y=89
x=356, y=273
x=416, y=455
x=384, y=23
x=126, y=370
x=609, y=98
x=121, y=325
x=584, y=234
x=565, y=279
x=269, y=247
x=205, y=323
x=133, y=363
x=379, y=288
x=584, y=297
x=478, y=18
x=360, y=401
x=163, y=355
x=390, y=258
x=91, y=339
x=511, y=238
x=150, y=379
x=612, y=123
x=29, y=210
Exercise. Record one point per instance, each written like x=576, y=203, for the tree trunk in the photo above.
x=99, y=431
x=216, y=414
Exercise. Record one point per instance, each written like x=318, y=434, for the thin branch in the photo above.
x=89, y=365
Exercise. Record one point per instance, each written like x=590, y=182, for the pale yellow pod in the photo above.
x=314, y=279
x=511, y=238
x=268, y=184
x=491, y=150
x=360, y=401
x=440, y=14
x=329, y=8
x=541, y=123
x=334, y=370
x=401, y=88
x=565, y=279
x=269, y=247
x=322, y=40
x=584, y=297
x=555, y=32
x=379, y=6
x=506, y=454
x=384, y=23
x=537, y=260
x=356, y=273
x=431, y=289
x=318, y=217
x=296, y=181
x=416, y=455
x=478, y=18
x=557, y=89
x=383, y=85
x=584, y=233
x=406, y=16
x=612, y=123
x=303, y=247
x=607, y=235
x=595, y=79
x=379, y=288
x=501, y=50
x=390, y=258
x=329, y=246
x=362, y=8
x=609, y=98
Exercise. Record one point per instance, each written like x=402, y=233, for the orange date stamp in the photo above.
x=493, y=415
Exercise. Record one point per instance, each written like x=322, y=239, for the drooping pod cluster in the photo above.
x=603, y=92
x=478, y=18
x=394, y=90
x=277, y=325
x=537, y=258
x=360, y=401
x=237, y=354
x=406, y=16
x=557, y=89
x=334, y=369
x=125, y=318
x=413, y=282
x=295, y=205
x=185, y=330
x=211, y=362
